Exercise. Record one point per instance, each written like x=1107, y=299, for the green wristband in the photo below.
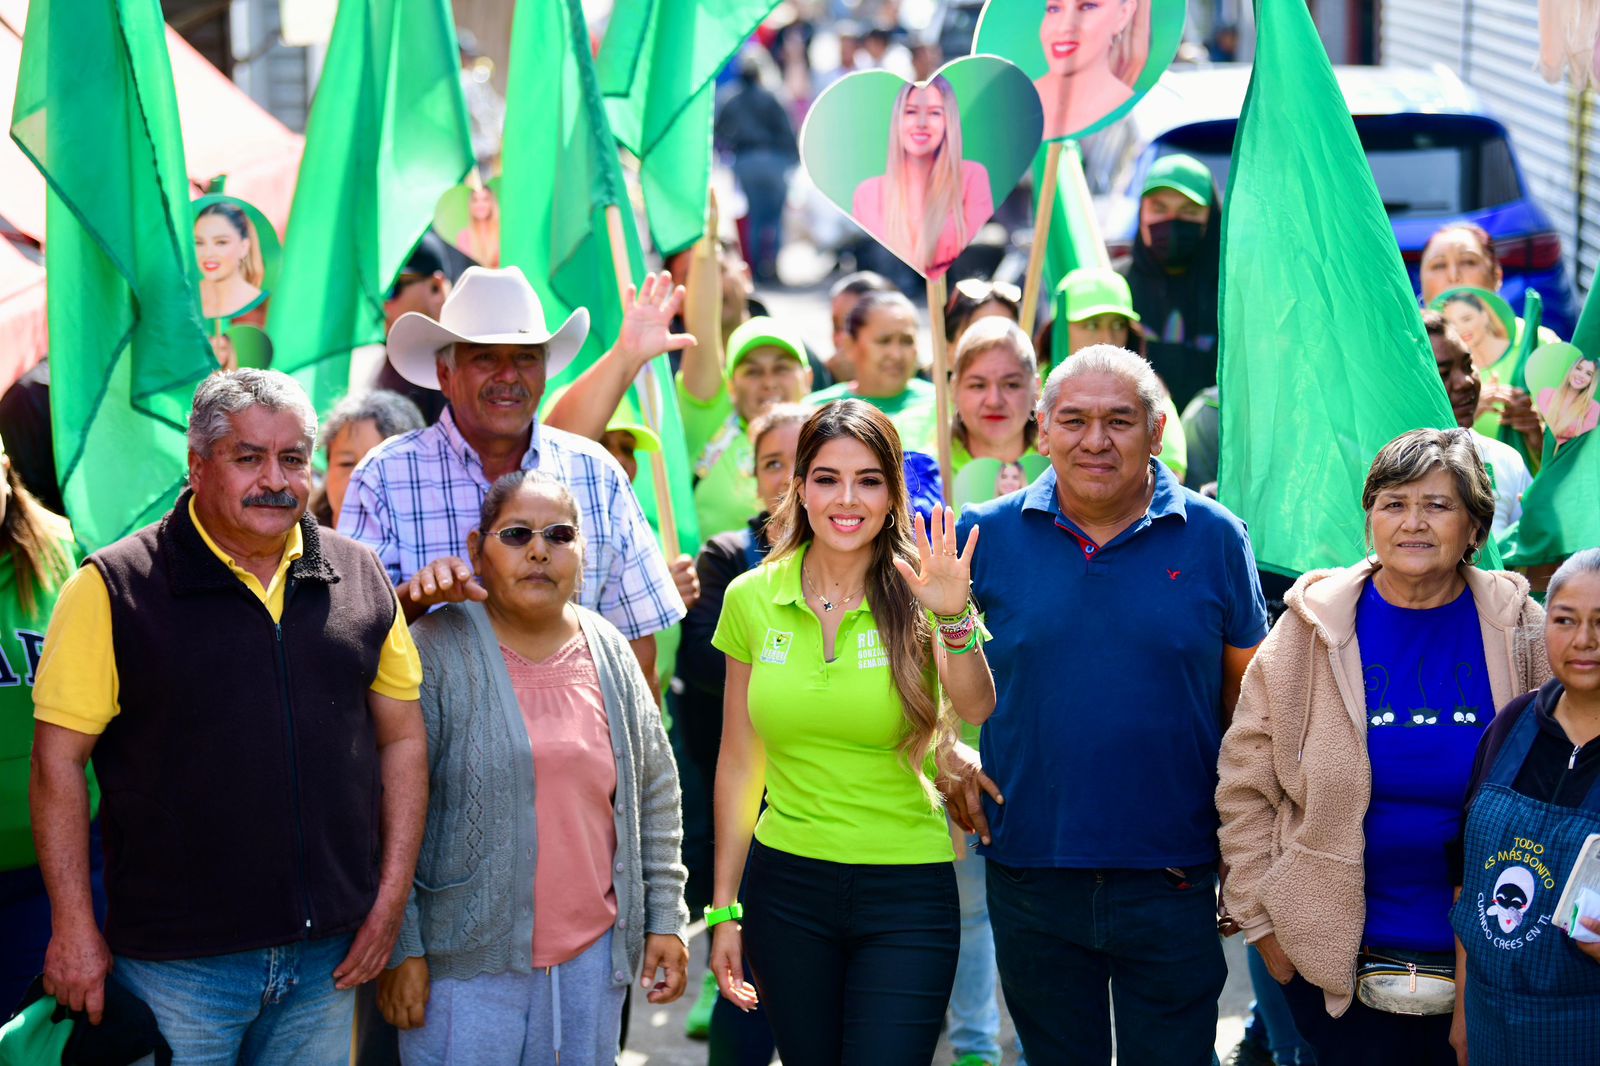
x=731, y=913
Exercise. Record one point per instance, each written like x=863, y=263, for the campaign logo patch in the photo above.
x=775, y=648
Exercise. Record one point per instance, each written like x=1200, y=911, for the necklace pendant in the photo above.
x=827, y=606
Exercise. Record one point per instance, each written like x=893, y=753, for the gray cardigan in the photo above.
x=471, y=909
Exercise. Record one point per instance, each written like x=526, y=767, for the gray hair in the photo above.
x=1576, y=565
x=229, y=392
x=1416, y=454
x=391, y=412
x=1110, y=360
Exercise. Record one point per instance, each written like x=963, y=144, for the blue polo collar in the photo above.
x=1167, y=500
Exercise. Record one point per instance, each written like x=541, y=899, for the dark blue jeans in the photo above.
x=1070, y=941
x=854, y=963
x=1362, y=1036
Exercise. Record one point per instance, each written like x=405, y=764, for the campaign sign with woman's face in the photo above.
x=987, y=479
x=238, y=254
x=1484, y=321
x=921, y=166
x=1090, y=60
x=1563, y=382
x=469, y=216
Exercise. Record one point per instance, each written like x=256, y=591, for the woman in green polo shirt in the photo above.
x=834, y=711
x=883, y=328
x=36, y=557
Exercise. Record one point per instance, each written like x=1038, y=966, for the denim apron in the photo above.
x=1531, y=996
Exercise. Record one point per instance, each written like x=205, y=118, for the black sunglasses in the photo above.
x=562, y=533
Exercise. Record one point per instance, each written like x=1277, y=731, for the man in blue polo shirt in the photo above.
x=1124, y=609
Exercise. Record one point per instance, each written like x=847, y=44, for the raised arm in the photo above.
x=702, y=367
x=587, y=405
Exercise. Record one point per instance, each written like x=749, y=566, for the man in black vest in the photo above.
x=247, y=687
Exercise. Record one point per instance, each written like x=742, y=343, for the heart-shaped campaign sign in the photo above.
x=922, y=166
x=1091, y=60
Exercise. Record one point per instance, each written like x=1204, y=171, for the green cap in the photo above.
x=1184, y=173
x=1091, y=291
x=763, y=332
x=625, y=419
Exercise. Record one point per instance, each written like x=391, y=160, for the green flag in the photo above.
x=560, y=175
x=387, y=135
x=1074, y=239
x=657, y=70
x=1323, y=355
x=96, y=112
x=1560, y=509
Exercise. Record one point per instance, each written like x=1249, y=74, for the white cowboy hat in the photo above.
x=486, y=307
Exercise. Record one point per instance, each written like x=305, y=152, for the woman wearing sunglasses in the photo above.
x=973, y=299
x=550, y=863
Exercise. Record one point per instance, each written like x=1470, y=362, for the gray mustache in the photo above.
x=272, y=499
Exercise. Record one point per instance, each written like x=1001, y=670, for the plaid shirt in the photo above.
x=415, y=497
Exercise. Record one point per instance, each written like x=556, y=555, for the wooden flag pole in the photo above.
x=649, y=395
x=1041, y=237
x=941, y=379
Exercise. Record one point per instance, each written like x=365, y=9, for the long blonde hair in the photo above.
x=919, y=238
x=1571, y=405
x=1130, y=51
x=902, y=624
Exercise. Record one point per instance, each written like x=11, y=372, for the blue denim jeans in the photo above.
x=271, y=1007
x=974, y=1014
x=1068, y=942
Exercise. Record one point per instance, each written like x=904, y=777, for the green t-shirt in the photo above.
x=21, y=641
x=912, y=412
x=838, y=788
x=724, y=463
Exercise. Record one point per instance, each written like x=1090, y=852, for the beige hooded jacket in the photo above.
x=1294, y=776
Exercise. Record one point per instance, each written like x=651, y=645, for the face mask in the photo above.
x=1174, y=242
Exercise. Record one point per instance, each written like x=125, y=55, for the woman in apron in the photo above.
x=1527, y=992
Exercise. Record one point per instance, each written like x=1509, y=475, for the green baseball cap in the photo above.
x=625, y=419
x=1091, y=291
x=763, y=332
x=1183, y=173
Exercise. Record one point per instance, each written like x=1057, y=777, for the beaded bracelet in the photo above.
x=972, y=642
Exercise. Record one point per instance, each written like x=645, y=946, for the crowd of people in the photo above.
x=401, y=738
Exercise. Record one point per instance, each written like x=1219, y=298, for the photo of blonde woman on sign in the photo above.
x=930, y=201
x=1095, y=52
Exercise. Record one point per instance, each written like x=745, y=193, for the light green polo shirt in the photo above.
x=912, y=412
x=838, y=788
x=724, y=463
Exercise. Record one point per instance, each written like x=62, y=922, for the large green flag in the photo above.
x=1323, y=355
x=387, y=135
x=96, y=112
x=561, y=178
x=657, y=70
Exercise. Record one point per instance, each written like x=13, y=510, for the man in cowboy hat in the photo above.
x=414, y=498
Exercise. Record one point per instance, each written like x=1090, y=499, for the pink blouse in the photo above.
x=575, y=781
x=977, y=207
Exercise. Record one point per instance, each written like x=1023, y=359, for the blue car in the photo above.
x=1436, y=156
